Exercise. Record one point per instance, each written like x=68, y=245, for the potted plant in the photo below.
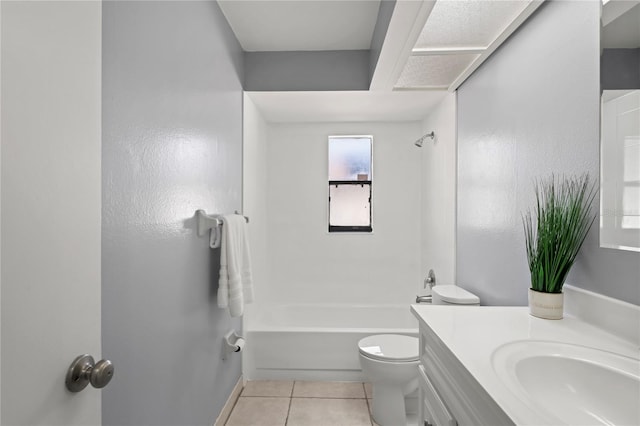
x=554, y=233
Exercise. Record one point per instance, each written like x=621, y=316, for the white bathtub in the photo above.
x=316, y=342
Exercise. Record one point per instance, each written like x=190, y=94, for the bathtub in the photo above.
x=316, y=342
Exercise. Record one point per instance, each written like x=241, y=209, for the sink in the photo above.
x=571, y=384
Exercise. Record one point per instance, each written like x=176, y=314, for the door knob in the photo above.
x=84, y=370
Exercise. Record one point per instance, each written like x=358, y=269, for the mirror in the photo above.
x=620, y=125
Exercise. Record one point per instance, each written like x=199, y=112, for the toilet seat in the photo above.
x=390, y=347
x=455, y=295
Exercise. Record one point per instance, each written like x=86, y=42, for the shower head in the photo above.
x=420, y=141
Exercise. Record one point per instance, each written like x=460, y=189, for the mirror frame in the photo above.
x=612, y=10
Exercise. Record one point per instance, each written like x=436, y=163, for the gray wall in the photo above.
x=172, y=136
x=620, y=69
x=530, y=110
x=317, y=70
x=329, y=70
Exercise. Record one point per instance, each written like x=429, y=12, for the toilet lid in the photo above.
x=389, y=347
x=456, y=295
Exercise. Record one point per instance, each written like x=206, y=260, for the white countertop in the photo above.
x=473, y=333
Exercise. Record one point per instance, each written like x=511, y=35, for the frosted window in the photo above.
x=350, y=183
x=349, y=158
x=350, y=205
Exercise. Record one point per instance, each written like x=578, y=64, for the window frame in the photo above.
x=359, y=229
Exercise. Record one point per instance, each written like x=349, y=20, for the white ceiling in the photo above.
x=624, y=30
x=430, y=44
x=609, y=95
x=355, y=106
x=304, y=25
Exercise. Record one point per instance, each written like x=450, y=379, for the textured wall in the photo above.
x=172, y=135
x=530, y=110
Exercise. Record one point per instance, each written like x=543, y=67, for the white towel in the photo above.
x=235, y=286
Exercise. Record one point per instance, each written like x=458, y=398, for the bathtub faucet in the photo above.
x=430, y=281
x=423, y=299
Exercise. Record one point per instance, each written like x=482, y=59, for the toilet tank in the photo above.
x=453, y=295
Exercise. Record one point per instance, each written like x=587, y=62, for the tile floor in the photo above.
x=282, y=403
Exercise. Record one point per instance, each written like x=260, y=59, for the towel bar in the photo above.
x=206, y=221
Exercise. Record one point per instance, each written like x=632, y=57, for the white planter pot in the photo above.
x=546, y=305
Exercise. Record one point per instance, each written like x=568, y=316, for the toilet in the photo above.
x=390, y=362
x=453, y=295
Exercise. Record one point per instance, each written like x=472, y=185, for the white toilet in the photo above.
x=390, y=362
x=453, y=295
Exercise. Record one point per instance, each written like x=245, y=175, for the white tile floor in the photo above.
x=282, y=403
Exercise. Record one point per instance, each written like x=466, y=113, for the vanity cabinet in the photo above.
x=449, y=395
x=432, y=410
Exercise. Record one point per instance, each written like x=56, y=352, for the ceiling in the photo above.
x=345, y=106
x=457, y=36
x=430, y=44
x=430, y=48
x=303, y=25
x=622, y=30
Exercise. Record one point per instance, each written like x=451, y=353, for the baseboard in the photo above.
x=231, y=402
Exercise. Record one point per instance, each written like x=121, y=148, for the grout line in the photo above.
x=364, y=388
x=364, y=392
x=291, y=397
x=329, y=397
x=286, y=420
x=265, y=396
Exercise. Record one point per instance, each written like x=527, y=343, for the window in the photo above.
x=350, y=183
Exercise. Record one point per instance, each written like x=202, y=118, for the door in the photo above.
x=50, y=208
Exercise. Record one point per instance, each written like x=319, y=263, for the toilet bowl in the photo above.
x=390, y=363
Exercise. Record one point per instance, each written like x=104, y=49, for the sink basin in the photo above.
x=571, y=384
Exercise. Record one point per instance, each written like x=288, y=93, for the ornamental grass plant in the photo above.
x=557, y=228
